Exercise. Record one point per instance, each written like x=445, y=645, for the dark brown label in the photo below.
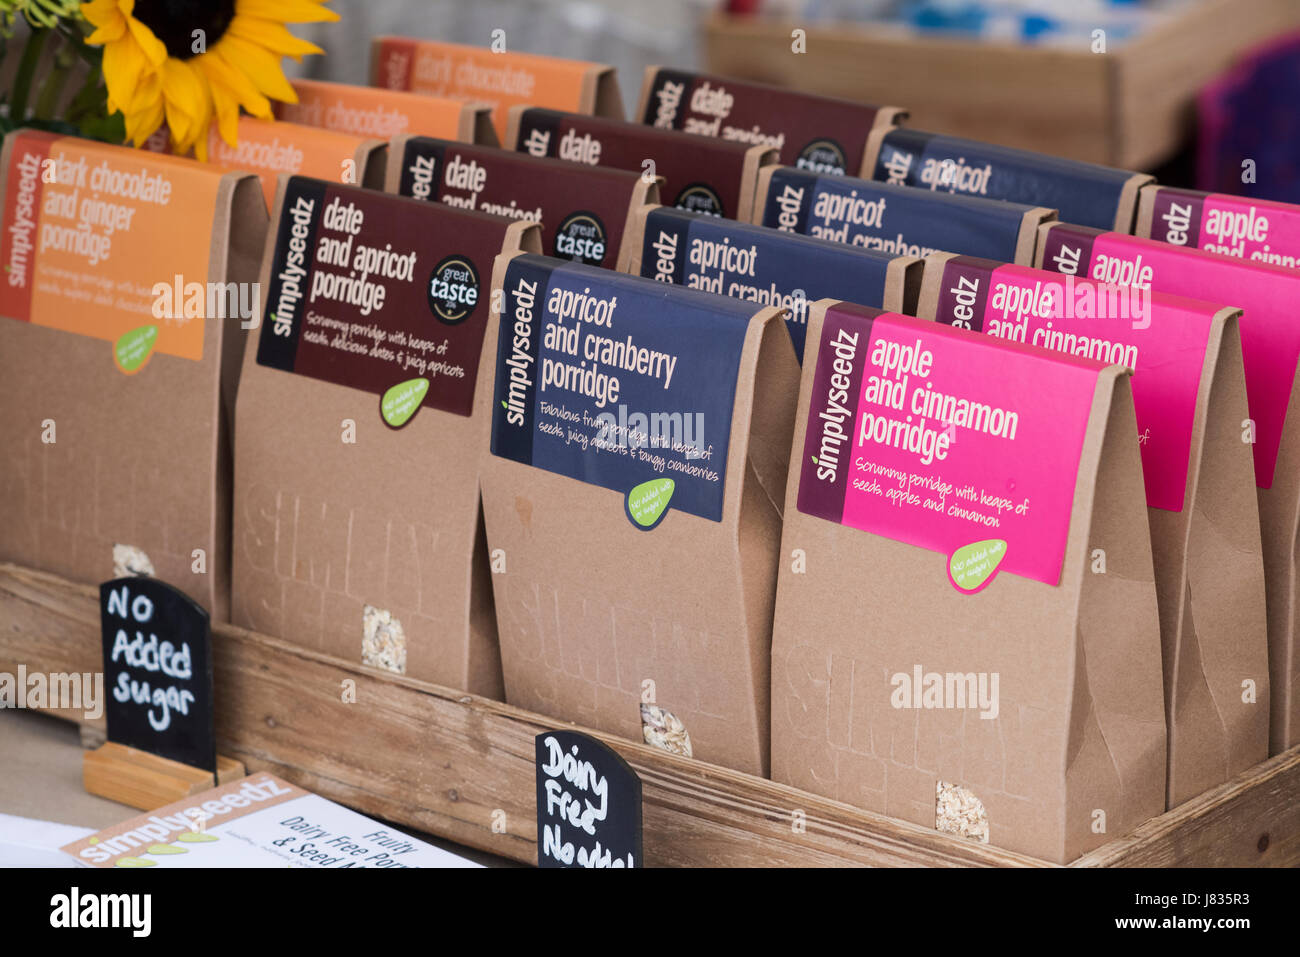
x=380, y=294
x=702, y=175
x=817, y=133
x=582, y=211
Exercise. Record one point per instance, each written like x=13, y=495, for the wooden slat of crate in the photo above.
x=443, y=762
x=1130, y=107
x=951, y=86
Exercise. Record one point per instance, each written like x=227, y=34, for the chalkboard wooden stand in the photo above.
x=146, y=781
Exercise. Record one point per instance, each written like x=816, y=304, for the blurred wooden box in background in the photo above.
x=1131, y=107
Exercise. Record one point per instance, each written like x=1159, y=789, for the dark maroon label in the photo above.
x=964, y=292
x=1068, y=249
x=702, y=175
x=1176, y=216
x=818, y=133
x=380, y=293
x=582, y=211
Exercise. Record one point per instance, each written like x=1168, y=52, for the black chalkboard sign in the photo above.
x=158, y=671
x=588, y=804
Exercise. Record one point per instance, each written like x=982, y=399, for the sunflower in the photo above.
x=190, y=61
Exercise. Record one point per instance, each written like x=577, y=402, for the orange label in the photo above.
x=91, y=230
x=501, y=80
x=267, y=149
x=372, y=113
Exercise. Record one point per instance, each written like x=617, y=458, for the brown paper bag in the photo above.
x=700, y=174
x=1270, y=345
x=1189, y=394
x=357, y=528
x=129, y=283
x=624, y=603
x=966, y=633
x=584, y=212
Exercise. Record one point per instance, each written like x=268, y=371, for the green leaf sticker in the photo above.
x=402, y=401
x=133, y=349
x=973, y=566
x=134, y=862
x=647, y=502
x=195, y=837
x=166, y=849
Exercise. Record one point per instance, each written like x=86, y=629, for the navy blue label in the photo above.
x=616, y=381
x=1083, y=193
x=760, y=265
x=896, y=220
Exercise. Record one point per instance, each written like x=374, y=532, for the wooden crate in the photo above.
x=446, y=762
x=1130, y=107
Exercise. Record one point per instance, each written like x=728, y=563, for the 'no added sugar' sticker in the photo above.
x=647, y=503
x=973, y=566
x=133, y=349
x=399, y=403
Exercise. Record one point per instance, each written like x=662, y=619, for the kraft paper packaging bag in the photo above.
x=946, y=648
x=700, y=174
x=898, y=220
x=501, y=80
x=129, y=283
x=368, y=111
x=1256, y=230
x=1083, y=193
x=584, y=212
x=1189, y=397
x=821, y=134
x=357, y=528
x=765, y=266
x=633, y=498
x=1270, y=347
x=270, y=149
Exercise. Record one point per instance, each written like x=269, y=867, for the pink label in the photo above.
x=1161, y=338
x=946, y=439
x=1270, y=328
x=1255, y=230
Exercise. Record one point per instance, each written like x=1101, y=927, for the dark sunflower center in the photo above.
x=174, y=22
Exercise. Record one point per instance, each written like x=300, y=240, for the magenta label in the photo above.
x=1161, y=338
x=948, y=440
x=1254, y=230
x=1270, y=333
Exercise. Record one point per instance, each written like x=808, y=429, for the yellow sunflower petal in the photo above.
x=273, y=36
x=104, y=14
x=127, y=74
x=286, y=11
x=153, y=47
x=236, y=86
x=142, y=124
x=186, y=99
x=262, y=67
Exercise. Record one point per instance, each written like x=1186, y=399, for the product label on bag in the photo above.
x=618, y=382
x=380, y=294
x=760, y=265
x=81, y=246
x=815, y=133
x=1270, y=336
x=500, y=79
x=701, y=175
x=582, y=211
x=371, y=113
x=269, y=149
x=1256, y=230
x=1083, y=193
x=1162, y=338
x=895, y=220
x=947, y=440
